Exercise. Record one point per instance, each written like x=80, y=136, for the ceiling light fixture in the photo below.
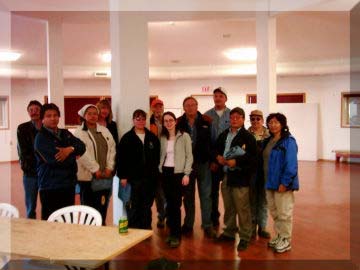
x=106, y=57
x=241, y=54
x=9, y=56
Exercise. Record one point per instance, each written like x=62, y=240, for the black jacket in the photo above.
x=202, y=147
x=135, y=160
x=247, y=163
x=26, y=133
x=113, y=130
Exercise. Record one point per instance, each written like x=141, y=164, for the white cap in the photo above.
x=82, y=111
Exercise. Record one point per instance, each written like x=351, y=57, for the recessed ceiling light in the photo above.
x=106, y=57
x=9, y=56
x=241, y=54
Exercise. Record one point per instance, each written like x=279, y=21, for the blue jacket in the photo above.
x=54, y=174
x=283, y=164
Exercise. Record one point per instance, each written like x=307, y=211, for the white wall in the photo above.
x=322, y=90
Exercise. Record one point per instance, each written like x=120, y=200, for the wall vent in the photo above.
x=101, y=74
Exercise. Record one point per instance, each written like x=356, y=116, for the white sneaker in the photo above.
x=273, y=242
x=282, y=245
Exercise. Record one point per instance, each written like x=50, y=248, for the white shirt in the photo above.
x=170, y=158
x=141, y=136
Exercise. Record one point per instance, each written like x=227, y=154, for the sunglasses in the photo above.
x=258, y=118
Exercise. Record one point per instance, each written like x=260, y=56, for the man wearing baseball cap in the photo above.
x=157, y=108
x=257, y=185
x=220, y=116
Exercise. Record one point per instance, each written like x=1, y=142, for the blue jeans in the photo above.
x=201, y=172
x=31, y=192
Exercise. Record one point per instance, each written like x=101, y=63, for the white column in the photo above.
x=266, y=62
x=55, y=65
x=6, y=134
x=129, y=75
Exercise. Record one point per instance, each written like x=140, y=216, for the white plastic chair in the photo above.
x=77, y=214
x=8, y=210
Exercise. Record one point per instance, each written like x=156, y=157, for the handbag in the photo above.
x=101, y=184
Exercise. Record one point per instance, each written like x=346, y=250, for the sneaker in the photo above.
x=263, y=233
x=186, y=229
x=161, y=223
x=210, y=232
x=174, y=242
x=242, y=245
x=224, y=238
x=282, y=246
x=272, y=243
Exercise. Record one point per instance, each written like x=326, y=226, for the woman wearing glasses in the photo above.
x=257, y=185
x=137, y=165
x=175, y=165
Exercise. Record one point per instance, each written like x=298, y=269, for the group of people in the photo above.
x=257, y=168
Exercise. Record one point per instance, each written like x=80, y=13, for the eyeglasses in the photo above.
x=258, y=118
x=140, y=118
x=169, y=121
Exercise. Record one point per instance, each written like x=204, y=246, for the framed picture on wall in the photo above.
x=350, y=109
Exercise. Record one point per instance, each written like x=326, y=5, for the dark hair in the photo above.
x=34, y=102
x=189, y=97
x=47, y=107
x=138, y=113
x=238, y=110
x=105, y=103
x=283, y=122
x=164, y=131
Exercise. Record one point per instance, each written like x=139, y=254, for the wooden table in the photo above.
x=67, y=244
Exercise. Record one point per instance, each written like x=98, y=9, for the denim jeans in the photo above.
x=31, y=189
x=201, y=172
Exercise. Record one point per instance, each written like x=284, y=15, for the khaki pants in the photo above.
x=281, y=205
x=236, y=202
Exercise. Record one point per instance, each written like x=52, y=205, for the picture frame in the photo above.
x=350, y=109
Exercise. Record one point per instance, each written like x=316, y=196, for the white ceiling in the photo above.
x=195, y=40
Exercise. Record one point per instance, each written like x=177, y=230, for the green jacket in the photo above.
x=183, y=158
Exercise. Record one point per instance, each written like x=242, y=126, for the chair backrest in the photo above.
x=77, y=214
x=8, y=210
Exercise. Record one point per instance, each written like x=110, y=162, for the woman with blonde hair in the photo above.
x=105, y=118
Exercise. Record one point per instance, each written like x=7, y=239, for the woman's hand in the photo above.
x=98, y=174
x=107, y=173
x=123, y=182
x=185, y=180
x=282, y=188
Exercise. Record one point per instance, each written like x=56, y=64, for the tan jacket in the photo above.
x=87, y=164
